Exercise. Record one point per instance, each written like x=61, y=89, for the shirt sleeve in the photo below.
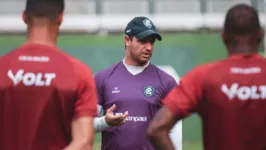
x=187, y=96
x=99, y=109
x=86, y=104
x=100, y=88
x=171, y=85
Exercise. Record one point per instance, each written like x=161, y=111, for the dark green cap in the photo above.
x=141, y=27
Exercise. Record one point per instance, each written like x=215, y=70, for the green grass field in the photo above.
x=207, y=47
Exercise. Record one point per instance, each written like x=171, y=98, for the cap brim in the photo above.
x=147, y=33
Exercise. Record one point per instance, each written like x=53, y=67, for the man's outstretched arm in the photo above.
x=158, y=131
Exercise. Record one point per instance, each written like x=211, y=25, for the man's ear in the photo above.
x=127, y=41
x=224, y=37
x=261, y=35
x=60, y=19
x=24, y=17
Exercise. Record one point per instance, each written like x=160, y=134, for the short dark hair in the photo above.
x=49, y=9
x=241, y=19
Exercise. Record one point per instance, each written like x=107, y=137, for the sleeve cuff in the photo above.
x=100, y=124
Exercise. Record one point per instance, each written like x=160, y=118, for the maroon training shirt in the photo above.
x=230, y=97
x=41, y=90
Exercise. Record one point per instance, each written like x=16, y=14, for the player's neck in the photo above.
x=242, y=46
x=243, y=49
x=41, y=35
x=131, y=62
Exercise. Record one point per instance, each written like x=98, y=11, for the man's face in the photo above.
x=140, y=49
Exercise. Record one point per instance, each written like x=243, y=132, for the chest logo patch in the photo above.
x=148, y=91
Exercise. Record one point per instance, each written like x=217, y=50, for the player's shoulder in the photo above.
x=203, y=69
x=31, y=49
x=164, y=75
x=79, y=67
x=105, y=73
x=11, y=53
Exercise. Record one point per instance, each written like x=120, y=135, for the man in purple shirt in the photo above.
x=132, y=89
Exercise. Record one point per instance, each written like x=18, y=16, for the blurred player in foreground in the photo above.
x=133, y=88
x=229, y=95
x=47, y=98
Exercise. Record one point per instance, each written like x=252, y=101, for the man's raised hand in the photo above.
x=115, y=120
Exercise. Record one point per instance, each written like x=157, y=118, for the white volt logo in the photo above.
x=30, y=78
x=244, y=92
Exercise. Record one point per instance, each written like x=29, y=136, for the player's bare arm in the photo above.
x=85, y=110
x=82, y=134
x=179, y=103
x=159, y=128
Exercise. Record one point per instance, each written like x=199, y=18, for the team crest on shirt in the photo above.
x=148, y=91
